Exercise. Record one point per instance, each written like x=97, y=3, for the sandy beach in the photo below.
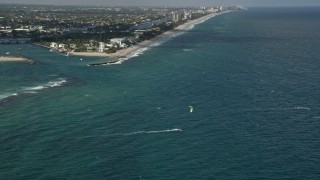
x=144, y=44
x=183, y=27
x=16, y=59
x=95, y=54
x=11, y=59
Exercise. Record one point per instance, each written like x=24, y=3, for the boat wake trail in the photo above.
x=153, y=132
x=302, y=108
x=140, y=132
x=297, y=108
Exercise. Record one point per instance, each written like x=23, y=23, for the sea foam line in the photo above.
x=4, y=96
x=160, y=39
x=134, y=54
x=50, y=84
x=137, y=53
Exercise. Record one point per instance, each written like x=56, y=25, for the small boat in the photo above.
x=7, y=53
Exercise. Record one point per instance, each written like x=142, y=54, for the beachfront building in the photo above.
x=213, y=10
x=118, y=41
x=187, y=15
x=73, y=46
x=123, y=45
x=62, y=46
x=54, y=45
x=102, y=46
x=90, y=48
x=110, y=45
x=177, y=16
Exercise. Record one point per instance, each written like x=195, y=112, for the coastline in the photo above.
x=162, y=37
x=125, y=54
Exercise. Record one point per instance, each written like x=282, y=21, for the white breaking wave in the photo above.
x=4, y=96
x=134, y=54
x=176, y=34
x=161, y=39
x=137, y=53
x=35, y=89
x=190, y=27
x=157, y=43
x=193, y=25
x=56, y=83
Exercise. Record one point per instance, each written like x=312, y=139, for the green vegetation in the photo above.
x=82, y=28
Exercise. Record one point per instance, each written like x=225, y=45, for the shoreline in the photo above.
x=162, y=37
x=124, y=54
x=91, y=54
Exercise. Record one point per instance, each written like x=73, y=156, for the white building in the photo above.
x=177, y=16
x=62, y=46
x=110, y=45
x=187, y=15
x=54, y=45
x=117, y=40
x=123, y=45
x=102, y=46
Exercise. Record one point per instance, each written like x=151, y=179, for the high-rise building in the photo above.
x=101, y=47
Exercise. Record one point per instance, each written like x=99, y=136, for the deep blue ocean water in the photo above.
x=252, y=78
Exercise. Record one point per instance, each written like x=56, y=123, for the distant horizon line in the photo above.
x=83, y=5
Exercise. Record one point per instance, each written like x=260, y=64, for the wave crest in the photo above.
x=34, y=89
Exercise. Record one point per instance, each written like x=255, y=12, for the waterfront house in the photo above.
x=90, y=48
x=110, y=45
x=62, y=46
x=123, y=45
x=119, y=41
x=54, y=45
x=73, y=46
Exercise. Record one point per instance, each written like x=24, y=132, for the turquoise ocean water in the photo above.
x=252, y=78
